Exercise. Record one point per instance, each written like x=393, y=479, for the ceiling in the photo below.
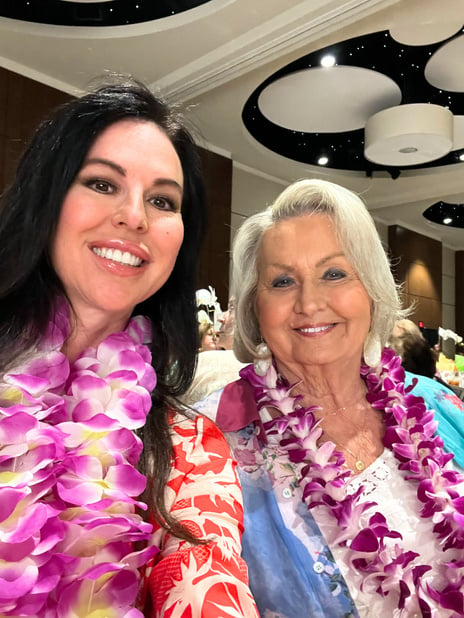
x=250, y=79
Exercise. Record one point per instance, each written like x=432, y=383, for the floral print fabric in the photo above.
x=203, y=493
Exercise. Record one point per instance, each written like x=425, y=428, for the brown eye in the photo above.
x=164, y=203
x=101, y=186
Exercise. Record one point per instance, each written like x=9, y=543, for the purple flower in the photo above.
x=68, y=478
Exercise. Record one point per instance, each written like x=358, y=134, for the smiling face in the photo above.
x=311, y=306
x=120, y=227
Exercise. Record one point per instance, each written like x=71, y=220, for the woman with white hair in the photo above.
x=352, y=505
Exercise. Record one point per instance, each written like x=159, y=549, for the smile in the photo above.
x=316, y=329
x=115, y=255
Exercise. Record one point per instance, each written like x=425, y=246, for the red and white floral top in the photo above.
x=203, y=493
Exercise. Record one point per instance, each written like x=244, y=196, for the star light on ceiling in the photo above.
x=90, y=13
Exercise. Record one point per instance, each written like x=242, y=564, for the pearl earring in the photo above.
x=372, y=350
x=263, y=359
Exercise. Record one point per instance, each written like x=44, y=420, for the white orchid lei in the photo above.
x=68, y=478
x=375, y=551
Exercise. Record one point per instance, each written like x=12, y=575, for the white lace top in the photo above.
x=397, y=500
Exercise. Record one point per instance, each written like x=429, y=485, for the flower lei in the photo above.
x=68, y=480
x=382, y=565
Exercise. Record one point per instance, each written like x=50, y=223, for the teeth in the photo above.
x=118, y=256
x=317, y=329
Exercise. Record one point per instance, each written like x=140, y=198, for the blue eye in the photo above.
x=334, y=274
x=282, y=282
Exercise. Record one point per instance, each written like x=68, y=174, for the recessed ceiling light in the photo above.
x=323, y=160
x=447, y=220
x=328, y=61
x=461, y=157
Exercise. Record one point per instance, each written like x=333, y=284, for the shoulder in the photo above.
x=215, y=369
x=197, y=431
x=198, y=444
x=232, y=408
x=433, y=393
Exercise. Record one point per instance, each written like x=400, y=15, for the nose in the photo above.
x=310, y=298
x=132, y=213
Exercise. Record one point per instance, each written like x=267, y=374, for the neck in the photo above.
x=90, y=332
x=328, y=387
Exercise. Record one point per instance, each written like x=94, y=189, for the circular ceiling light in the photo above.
x=300, y=122
x=445, y=68
x=409, y=134
x=445, y=213
x=339, y=99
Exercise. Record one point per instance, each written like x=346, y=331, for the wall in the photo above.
x=417, y=262
x=448, y=289
x=213, y=267
x=23, y=103
x=251, y=192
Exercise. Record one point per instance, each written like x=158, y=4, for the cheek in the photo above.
x=169, y=236
x=269, y=316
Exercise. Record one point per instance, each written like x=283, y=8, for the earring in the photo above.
x=372, y=350
x=263, y=359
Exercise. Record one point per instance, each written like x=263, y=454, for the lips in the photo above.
x=121, y=252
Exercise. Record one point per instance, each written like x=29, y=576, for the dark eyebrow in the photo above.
x=98, y=160
x=120, y=170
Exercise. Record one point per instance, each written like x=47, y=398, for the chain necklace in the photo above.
x=358, y=461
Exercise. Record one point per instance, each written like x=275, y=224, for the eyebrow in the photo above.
x=120, y=170
x=321, y=262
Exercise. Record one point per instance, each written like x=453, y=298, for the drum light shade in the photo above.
x=408, y=134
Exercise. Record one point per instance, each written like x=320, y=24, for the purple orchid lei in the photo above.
x=382, y=566
x=68, y=478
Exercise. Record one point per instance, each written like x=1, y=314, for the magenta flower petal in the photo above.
x=68, y=477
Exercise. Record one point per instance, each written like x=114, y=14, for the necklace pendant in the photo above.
x=359, y=465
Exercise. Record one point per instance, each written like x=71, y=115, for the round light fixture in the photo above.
x=409, y=134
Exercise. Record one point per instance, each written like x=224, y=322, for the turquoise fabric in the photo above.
x=449, y=412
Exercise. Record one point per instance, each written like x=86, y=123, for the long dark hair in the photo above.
x=30, y=210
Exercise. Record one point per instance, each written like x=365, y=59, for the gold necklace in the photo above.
x=358, y=462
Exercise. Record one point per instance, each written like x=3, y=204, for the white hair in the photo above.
x=358, y=238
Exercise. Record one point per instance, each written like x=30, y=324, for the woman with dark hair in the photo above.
x=99, y=234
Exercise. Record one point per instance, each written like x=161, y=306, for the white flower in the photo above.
x=203, y=317
x=203, y=297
